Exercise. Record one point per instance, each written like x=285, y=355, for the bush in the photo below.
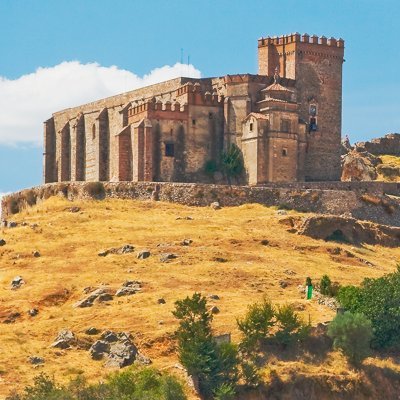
x=131, y=384
x=256, y=324
x=211, y=364
x=232, y=162
x=325, y=285
x=351, y=333
x=210, y=167
x=378, y=299
x=95, y=190
x=291, y=327
x=250, y=374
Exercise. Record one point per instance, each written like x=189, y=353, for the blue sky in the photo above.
x=140, y=38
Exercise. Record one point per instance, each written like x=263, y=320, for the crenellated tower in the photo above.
x=316, y=65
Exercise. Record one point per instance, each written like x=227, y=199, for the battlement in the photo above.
x=195, y=95
x=297, y=38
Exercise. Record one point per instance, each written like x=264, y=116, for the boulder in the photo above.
x=117, y=349
x=359, y=166
x=215, y=205
x=187, y=242
x=17, y=282
x=100, y=294
x=92, y=331
x=214, y=310
x=143, y=254
x=167, y=257
x=161, y=301
x=117, y=250
x=64, y=340
x=36, y=254
x=348, y=230
x=33, y=312
x=2, y=242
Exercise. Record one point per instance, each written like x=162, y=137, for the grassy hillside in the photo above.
x=227, y=258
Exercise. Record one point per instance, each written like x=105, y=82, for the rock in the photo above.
x=281, y=212
x=17, y=282
x=33, y=312
x=166, y=257
x=11, y=318
x=213, y=297
x=265, y=242
x=289, y=272
x=64, y=340
x=348, y=230
x=98, y=349
x=12, y=224
x=126, y=291
x=188, y=218
x=283, y=284
x=220, y=259
x=223, y=338
x=117, y=250
x=92, y=331
x=109, y=336
x=214, y=310
x=121, y=354
x=2, y=242
x=143, y=254
x=36, y=254
x=117, y=349
x=187, y=242
x=34, y=226
x=215, y=205
x=359, y=166
x=94, y=295
x=133, y=284
x=74, y=209
x=104, y=297
x=161, y=301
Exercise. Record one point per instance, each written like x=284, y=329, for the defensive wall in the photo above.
x=362, y=200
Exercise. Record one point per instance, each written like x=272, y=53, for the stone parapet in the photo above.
x=364, y=201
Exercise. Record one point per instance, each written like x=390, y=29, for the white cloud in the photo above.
x=31, y=99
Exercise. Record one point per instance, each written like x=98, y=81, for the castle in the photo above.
x=286, y=120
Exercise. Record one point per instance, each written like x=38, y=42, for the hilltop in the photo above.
x=239, y=254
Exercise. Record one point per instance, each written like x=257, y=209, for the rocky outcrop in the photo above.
x=358, y=166
x=389, y=144
x=346, y=230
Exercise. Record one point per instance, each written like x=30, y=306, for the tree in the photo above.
x=325, y=285
x=232, y=162
x=351, y=333
x=211, y=364
x=379, y=300
x=256, y=324
x=291, y=327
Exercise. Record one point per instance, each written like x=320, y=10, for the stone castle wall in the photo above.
x=362, y=201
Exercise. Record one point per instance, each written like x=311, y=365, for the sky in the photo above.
x=57, y=54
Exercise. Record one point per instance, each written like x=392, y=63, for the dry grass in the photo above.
x=69, y=243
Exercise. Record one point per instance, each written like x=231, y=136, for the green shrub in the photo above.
x=325, y=285
x=225, y=391
x=352, y=333
x=256, y=324
x=131, y=384
x=250, y=374
x=291, y=327
x=95, y=190
x=232, y=162
x=210, y=167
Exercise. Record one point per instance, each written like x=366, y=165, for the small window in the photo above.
x=312, y=127
x=284, y=152
x=94, y=131
x=169, y=150
x=285, y=125
x=251, y=127
x=313, y=110
x=193, y=122
x=210, y=115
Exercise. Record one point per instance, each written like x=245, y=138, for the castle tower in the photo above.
x=316, y=65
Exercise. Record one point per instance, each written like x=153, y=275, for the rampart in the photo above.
x=389, y=144
x=365, y=201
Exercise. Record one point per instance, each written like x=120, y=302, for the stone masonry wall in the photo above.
x=365, y=202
